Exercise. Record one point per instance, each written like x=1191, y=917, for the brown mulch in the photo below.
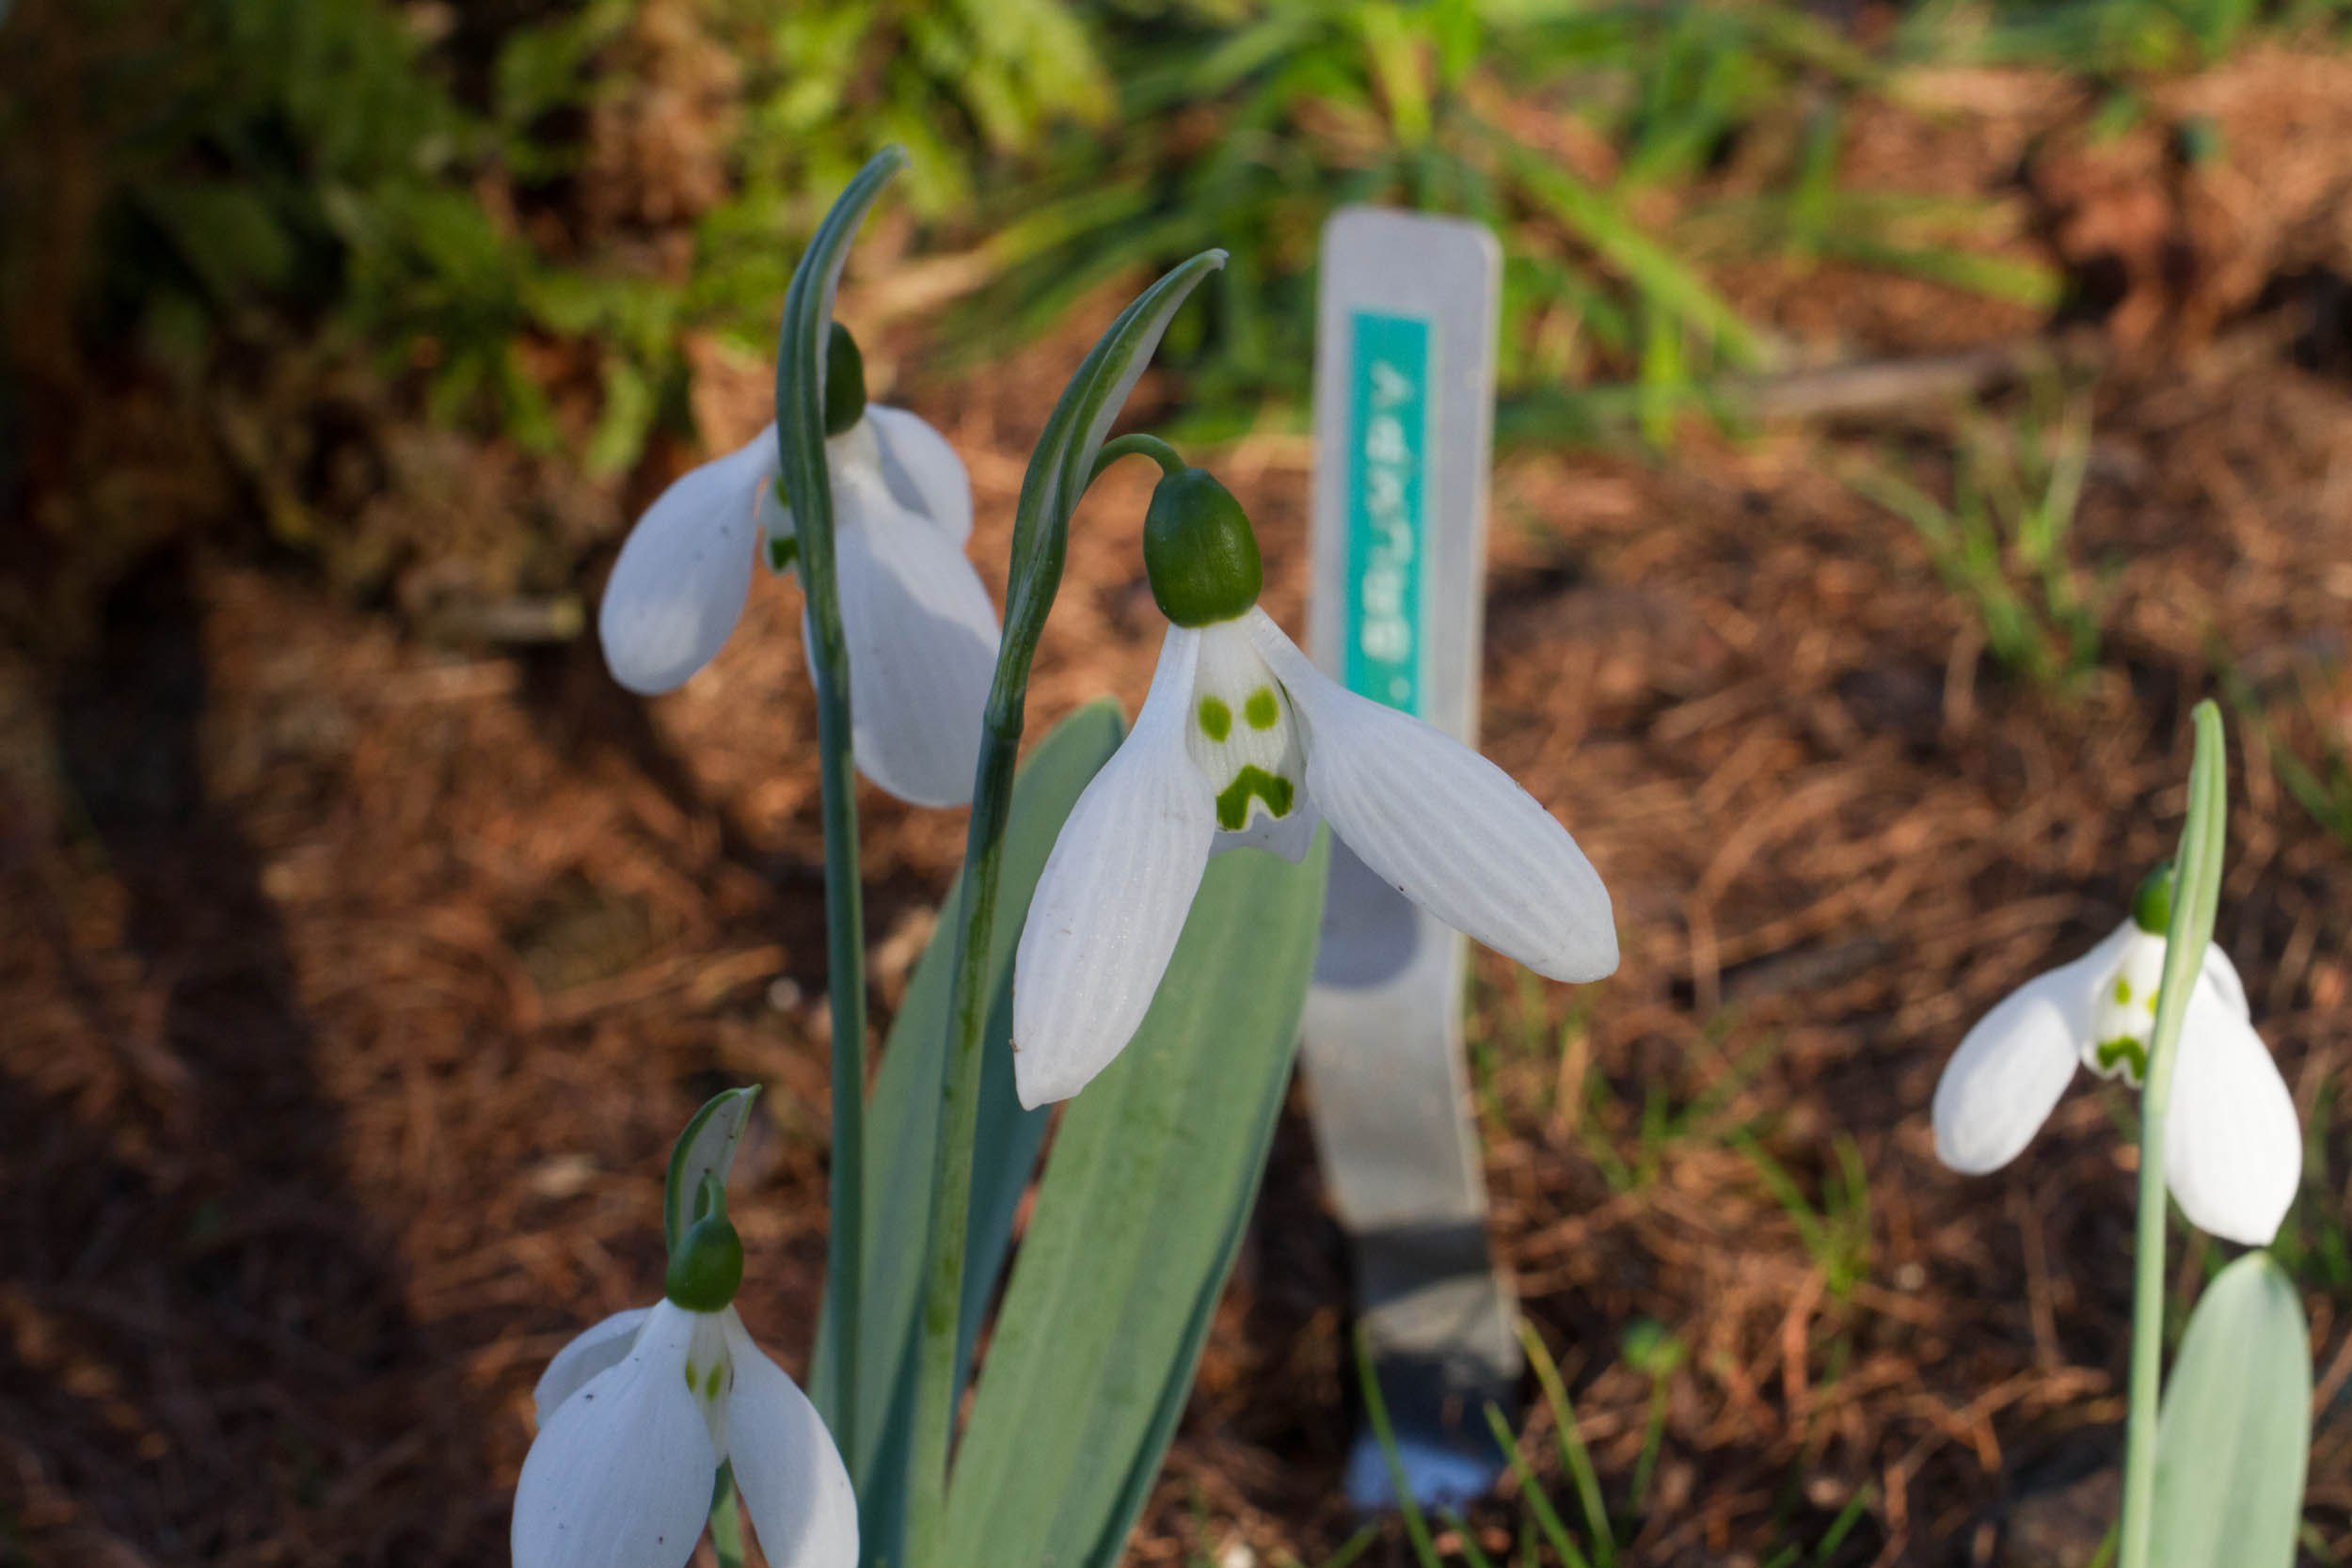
x=354, y=986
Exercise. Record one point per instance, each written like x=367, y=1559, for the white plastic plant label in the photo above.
x=1404, y=426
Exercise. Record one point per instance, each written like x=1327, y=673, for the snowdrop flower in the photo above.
x=921, y=632
x=1243, y=741
x=636, y=1414
x=2234, y=1148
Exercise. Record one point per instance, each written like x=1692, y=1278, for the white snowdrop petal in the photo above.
x=678, y=587
x=923, y=471
x=1444, y=826
x=2002, y=1083
x=2234, y=1148
x=593, y=1349
x=1113, y=898
x=791, y=1475
x=922, y=639
x=621, y=1477
x=2224, y=976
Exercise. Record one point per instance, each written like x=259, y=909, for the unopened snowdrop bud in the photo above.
x=1198, y=550
x=1242, y=742
x=845, y=381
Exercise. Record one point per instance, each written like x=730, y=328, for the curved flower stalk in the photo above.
x=637, y=1414
x=922, y=634
x=2234, y=1148
x=1242, y=741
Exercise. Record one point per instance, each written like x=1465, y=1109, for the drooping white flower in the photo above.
x=1242, y=741
x=2234, y=1148
x=636, y=1414
x=921, y=632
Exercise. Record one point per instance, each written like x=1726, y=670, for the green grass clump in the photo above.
x=1597, y=1536
x=2004, y=542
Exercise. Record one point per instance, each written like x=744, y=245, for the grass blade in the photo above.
x=1573, y=1454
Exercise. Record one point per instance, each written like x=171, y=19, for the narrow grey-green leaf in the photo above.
x=2235, y=1435
x=1138, y=1219
x=902, y=1122
x=706, y=1148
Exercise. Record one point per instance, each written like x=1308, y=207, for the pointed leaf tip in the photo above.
x=705, y=1148
x=1063, y=461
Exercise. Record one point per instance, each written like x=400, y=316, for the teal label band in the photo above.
x=1387, y=506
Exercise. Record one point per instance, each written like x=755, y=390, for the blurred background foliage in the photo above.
x=519, y=216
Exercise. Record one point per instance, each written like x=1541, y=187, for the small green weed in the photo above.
x=1594, y=1540
x=2314, y=698
x=1837, y=1233
x=1832, y=1538
x=1657, y=1125
x=2003, y=542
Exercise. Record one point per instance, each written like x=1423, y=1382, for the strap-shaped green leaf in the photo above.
x=903, y=1121
x=1137, y=1223
x=706, y=1148
x=2235, y=1435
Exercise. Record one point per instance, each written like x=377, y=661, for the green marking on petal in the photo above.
x=782, y=553
x=1261, y=711
x=710, y=1383
x=2152, y=1003
x=2130, y=1052
x=1217, y=719
x=690, y=1377
x=1232, y=807
x=2122, y=990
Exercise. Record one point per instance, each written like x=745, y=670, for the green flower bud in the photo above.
x=707, y=1269
x=845, y=381
x=1199, y=551
x=2151, y=906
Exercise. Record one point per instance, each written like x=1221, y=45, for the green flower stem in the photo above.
x=844, y=985
x=960, y=1096
x=800, y=359
x=1060, y=468
x=2195, y=898
x=1127, y=446
x=1037, y=576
